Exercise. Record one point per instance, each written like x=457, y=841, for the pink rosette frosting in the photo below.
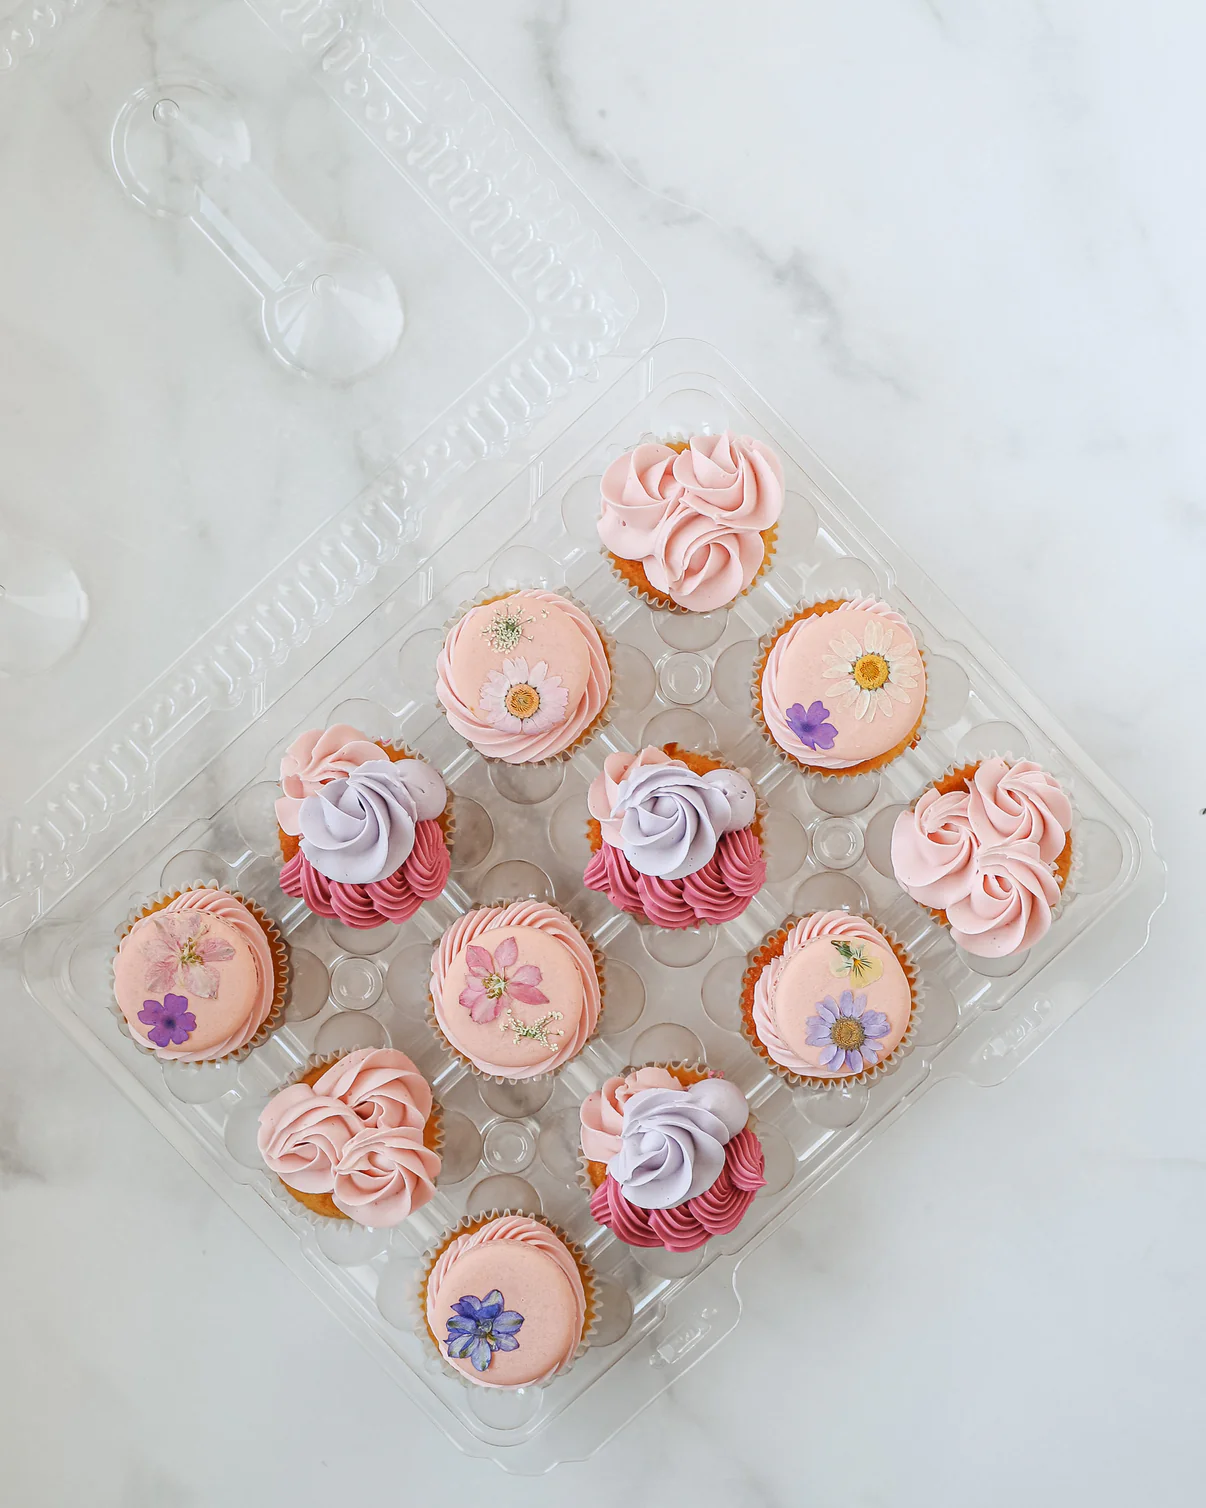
x=694, y=520
x=717, y=1211
x=603, y=1111
x=1009, y=905
x=560, y=635
x=356, y=1134
x=559, y=947
x=314, y=759
x=1018, y=803
x=395, y=899
x=538, y=1278
x=933, y=849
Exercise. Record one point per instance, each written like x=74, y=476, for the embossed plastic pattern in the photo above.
x=669, y=994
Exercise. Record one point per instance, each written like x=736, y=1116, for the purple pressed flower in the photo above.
x=479, y=1327
x=848, y=1034
x=495, y=984
x=170, y=1020
x=810, y=727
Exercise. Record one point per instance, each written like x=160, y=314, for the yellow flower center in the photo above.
x=870, y=671
x=847, y=1033
x=522, y=700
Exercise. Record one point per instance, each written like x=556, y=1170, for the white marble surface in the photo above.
x=959, y=245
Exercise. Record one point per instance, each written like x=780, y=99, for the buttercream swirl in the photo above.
x=360, y=828
x=1018, y=803
x=602, y=1112
x=302, y=1136
x=394, y=899
x=526, y=747
x=1009, y=904
x=519, y=914
x=381, y=1085
x=314, y=758
x=694, y=520
x=527, y=1232
x=384, y=1173
x=933, y=848
x=672, y=1141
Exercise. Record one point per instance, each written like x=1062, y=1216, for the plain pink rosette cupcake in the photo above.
x=363, y=828
x=691, y=525
x=675, y=837
x=670, y=1156
x=525, y=678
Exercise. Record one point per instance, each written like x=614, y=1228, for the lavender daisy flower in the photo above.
x=810, y=726
x=847, y=1032
x=170, y=1020
x=479, y=1327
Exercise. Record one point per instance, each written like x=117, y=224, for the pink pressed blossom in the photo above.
x=179, y=955
x=494, y=984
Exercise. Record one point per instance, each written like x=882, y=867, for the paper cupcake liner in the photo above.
x=289, y=845
x=465, y=1226
x=594, y=836
x=771, y=947
x=282, y=975
x=658, y=602
x=766, y=644
x=1068, y=864
x=597, y=956
x=686, y=1073
x=600, y=722
x=320, y=1209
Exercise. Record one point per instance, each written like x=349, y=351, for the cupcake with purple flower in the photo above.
x=829, y=999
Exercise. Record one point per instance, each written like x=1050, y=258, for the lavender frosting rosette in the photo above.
x=668, y=820
x=673, y=1140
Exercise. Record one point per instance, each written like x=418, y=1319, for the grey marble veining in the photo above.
x=959, y=247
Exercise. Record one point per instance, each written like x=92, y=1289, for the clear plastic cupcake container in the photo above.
x=499, y=491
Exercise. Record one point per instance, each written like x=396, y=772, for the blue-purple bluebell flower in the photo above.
x=848, y=1034
x=479, y=1327
x=810, y=726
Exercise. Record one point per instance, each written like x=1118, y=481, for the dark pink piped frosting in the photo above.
x=715, y=1212
x=717, y=893
x=395, y=899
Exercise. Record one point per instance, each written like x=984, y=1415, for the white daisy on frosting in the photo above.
x=872, y=675
x=523, y=699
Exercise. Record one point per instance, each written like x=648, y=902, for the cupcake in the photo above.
x=828, y=999
x=691, y=525
x=363, y=828
x=988, y=848
x=840, y=686
x=670, y=1156
x=525, y=677
x=507, y=1301
x=675, y=837
x=515, y=989
x=356, y=1138
x=201, y=975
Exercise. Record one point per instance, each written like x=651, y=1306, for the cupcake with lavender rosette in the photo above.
x=988, y=850
x=525, y=678
x=675, y=837
x=840, y=686
x=669, y=1156
x=829, y=999
x=690, y=525
x=516, y=989
x=356, y=1137
x=508, y=1301
x=364, y=828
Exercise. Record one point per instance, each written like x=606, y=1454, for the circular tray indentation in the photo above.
x=733, y=675
x=349, y=1244
x=349, y=1030
x=993, y=968
x=559, y=1144
x=668, y=1042
x=363, y=941
x=503, y=1191
x=624, y=998
x=255, y=817
x=843, y=796
x=370, y=718
x=837, y=842
x=877, y=840
x=613, y=1312
x=691, y=630
x=1100, y=855
x=527, y=784
x=830, y=891
x=567, y=831
x=417, y=664
x=678, y=949
x=505, y=1408
x=846, y=578
x=688, y=412
x=680, y=725
x=199, y=1083
x=193, y=867
x=836, y=1109
x=670, y=1264
x=474, y=836
x=409, y=977
x=580, y=505
x=241, y=1130
x=785, y=846
x=992, y=738
x=947, y=689
x=634, y=679
x=520, y=568
x=398, y=1291
x=526, y=1097
x=684, y=678
x=940, y=1016
x=462, y=1147
x=356, y=984
x=516, y=880
x=721, y=993
x=509, y=1146
x=779, y=1159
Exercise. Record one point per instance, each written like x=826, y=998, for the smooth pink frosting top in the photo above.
x=537, y=1276
x=809, y=670
x=560, y=656
x=488, y=969
x=207, y=949
x=356, y=1133
x=694, y=520
x=808, y=972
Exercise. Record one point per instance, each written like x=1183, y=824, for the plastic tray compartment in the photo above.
x=669, y=994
